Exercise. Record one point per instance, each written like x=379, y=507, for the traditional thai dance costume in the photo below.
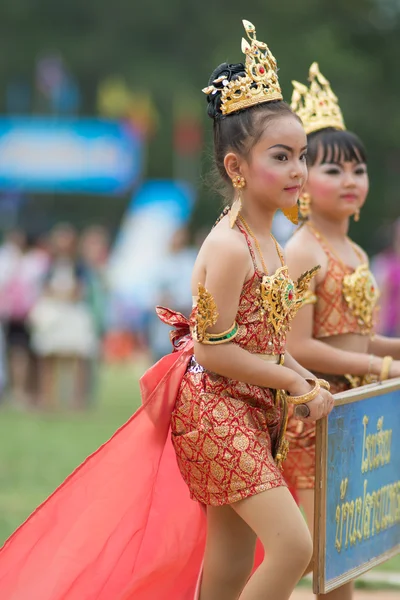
x=229, y=436
x=123, y=525
x=344, y=302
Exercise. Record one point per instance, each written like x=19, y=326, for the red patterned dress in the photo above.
x=226, y=434
x=334, y=314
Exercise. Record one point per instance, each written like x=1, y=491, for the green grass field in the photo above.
x=38, y=451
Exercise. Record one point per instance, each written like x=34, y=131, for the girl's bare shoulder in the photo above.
x=304, y=247
x=361, y=252
x=226, y=245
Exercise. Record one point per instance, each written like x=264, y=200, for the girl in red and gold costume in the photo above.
x=214, y=412
x=335, y=334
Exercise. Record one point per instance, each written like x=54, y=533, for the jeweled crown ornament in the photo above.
x=260, y=83
x=317, y=106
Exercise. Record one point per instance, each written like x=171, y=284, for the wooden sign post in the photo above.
x=357, y=488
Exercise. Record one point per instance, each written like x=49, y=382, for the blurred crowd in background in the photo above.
x=56, y=310
x=53, y=296
x=55, y=306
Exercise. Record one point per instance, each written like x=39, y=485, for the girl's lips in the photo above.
x=349, y=196
x=294, y=188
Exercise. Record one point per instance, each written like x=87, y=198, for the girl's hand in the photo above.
x=318, y=408
x=394, y=369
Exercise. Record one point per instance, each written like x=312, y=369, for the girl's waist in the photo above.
x=277, y=359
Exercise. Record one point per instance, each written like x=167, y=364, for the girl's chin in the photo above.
x=340, y=215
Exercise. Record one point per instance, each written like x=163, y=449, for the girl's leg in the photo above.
x=229, y=554
x=306, y=501
x=345, y=592
x=275, y=518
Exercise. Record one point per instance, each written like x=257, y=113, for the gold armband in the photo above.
x=206, y=316
x=324, y=384
x=386, y=364
x=309, y=298
x=305, y=398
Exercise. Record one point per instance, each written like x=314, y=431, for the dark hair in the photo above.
x=337, y=146
x=241, y=130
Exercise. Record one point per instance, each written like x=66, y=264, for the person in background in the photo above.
x=9, y=252
x=94, y=250
x=386, y=268
x=63, y=329
x=173, y=288
x=22, y=266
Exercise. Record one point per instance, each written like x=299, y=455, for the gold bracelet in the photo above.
x=305, y=398
x=386, y=364
x=325, y=384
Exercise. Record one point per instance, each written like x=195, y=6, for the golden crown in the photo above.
x=317, y=106
x=260, y=84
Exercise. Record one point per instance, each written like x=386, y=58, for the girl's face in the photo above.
x=337, y=189
x=275, y=170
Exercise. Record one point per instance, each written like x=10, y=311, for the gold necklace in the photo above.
x=250, y=232
x=323, y=239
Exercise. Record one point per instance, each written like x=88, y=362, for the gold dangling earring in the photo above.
x=305, y=205
x=238, y=183
x=357, y=215
x=292, y=214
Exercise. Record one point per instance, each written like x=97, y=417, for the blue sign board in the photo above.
x=60, y=155
x=358, y=484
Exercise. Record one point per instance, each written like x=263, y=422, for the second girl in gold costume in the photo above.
x=335, y=334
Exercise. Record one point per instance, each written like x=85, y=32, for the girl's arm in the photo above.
x=384, y=346
x=292, y=363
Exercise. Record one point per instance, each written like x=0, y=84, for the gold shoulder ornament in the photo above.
x=304, y=281
x=206, y=316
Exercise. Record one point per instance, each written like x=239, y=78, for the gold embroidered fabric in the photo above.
x=229, y=436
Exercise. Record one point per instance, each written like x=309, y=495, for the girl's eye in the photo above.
x=303, y=156
x=281, y=157
x=360, y=171
x=332, y=172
